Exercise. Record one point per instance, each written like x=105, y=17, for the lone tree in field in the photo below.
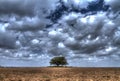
x=58, y=61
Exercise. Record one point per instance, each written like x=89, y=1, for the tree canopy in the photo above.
x=58, y=61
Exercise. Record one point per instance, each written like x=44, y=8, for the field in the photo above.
x=59, y=74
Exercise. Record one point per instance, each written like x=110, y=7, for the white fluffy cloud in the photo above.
x=78, y=3
x=90, y=37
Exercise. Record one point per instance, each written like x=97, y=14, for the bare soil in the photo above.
x=59, y=74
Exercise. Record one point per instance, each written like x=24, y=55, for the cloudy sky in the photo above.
x=86, y=32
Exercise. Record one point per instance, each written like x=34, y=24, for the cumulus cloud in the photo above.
x=78, y=38
x=90, y=37
x=78, y=3
x=28, y=24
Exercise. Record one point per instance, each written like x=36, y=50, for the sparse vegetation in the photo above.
x=59, y=74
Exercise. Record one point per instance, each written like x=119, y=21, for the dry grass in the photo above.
x=59, y=74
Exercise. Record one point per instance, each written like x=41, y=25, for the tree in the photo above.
x=58, y=61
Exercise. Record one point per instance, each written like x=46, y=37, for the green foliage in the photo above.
x=58, y=61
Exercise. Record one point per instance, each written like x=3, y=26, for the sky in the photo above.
x=86, y=32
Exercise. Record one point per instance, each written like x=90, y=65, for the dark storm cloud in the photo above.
x=26, y=15
x=115, y=4
x=26, y=7
x=7, y=40
x=90, y=37
x=19, y=7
